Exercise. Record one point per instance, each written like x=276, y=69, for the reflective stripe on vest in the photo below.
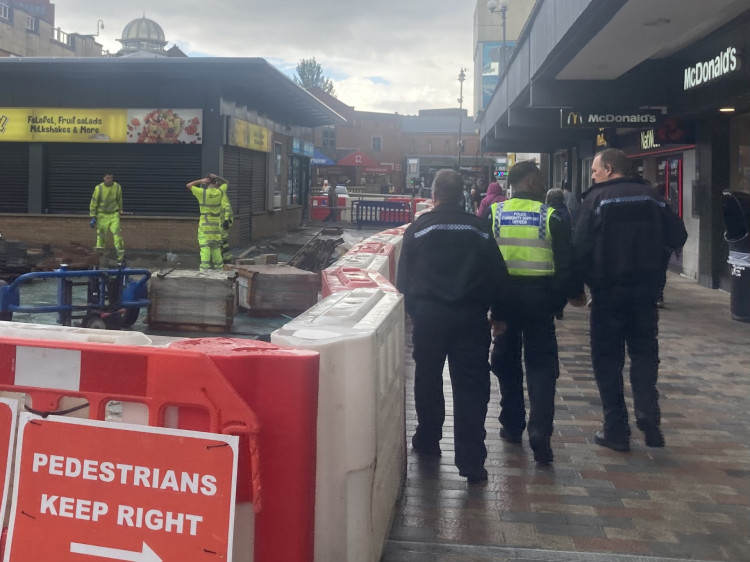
x=521, y=230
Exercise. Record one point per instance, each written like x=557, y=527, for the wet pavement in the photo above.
x=688, y=501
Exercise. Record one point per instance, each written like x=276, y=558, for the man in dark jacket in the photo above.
x=451, y=273
x=622, y=229
x=535, y=243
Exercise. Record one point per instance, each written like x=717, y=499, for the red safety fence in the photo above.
x=159, y=379
x=281, y=386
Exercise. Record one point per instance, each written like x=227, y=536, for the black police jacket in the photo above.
x=623, y=227
x=450, y=257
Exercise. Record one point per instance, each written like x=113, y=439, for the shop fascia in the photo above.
x=726, y=62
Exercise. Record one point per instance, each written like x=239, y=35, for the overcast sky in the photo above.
x=382, y=55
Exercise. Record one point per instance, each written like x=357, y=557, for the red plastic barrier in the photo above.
x=319, y=207
x=158, y=378
x=336, y=279
x=281, y=387
x=379, y=248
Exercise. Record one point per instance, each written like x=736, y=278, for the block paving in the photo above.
x=687, y=501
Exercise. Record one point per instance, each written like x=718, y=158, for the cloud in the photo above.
x=387, y=56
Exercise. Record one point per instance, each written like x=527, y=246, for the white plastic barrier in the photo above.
x=72, y=334
x=392, y=237
x=361, y=451
x=370, y=262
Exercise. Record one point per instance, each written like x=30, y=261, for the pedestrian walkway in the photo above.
x=688, y=501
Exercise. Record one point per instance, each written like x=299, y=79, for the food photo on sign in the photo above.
x=165, y=126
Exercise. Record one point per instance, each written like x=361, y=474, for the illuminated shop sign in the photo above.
x=726, y=62
x=141, y=126
x=576, y=119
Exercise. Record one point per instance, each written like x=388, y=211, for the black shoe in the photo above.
x=653, y=436
x=427, y=449
x=474, y=475
x=621, y=446
x=509, y=436
x=542, y=449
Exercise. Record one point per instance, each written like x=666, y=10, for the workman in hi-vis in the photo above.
x=536, y=245
x=105, y=210
x=214, y=207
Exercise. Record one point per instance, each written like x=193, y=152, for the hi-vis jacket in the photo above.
x=521, y=228
x=106, y=200
x=213, y=205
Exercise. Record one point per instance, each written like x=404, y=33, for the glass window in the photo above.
x=329, y=136
x=739, y=178
x=30, y=23
x=277, y=151
x=377, y=144
x=4, y=11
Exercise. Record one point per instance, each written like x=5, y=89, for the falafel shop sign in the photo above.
x=141, y=126
x=91, y=490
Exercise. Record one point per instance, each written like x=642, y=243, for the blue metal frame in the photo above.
x=132, y=296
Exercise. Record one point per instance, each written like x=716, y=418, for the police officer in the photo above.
x=622, y=230
x=536, y=245
x=105, y=210
x=213, y=205
x=450, y=273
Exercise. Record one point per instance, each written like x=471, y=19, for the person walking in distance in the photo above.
x=536, y=244
x=623, y=227
x=450, y=274
x=332, y=203
x=105, y=210
x=213, y=205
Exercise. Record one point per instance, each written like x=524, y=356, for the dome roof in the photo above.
x=143, y=29
x=142, y=34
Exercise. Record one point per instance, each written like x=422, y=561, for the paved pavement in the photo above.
x=688, y=501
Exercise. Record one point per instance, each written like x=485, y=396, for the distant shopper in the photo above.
x=660, y=187
x=535, y=242
x=105, y=210
x=332, y=203
x=494, y=195
x=450, y=274
x=213, y=205
x=623, y=227
x=555, y=198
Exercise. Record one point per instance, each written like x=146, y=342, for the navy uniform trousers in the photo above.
x=461, y=333
x=530, y=336
x=626, y=315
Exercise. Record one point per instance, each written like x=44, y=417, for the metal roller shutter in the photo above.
x=153, y=177
x=245, y=170
x=14, y=191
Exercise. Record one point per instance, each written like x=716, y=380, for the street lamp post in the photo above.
x=461, y=78
x=501, y=7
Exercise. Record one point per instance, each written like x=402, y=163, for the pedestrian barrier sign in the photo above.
x=92, y=490
x=8, y=409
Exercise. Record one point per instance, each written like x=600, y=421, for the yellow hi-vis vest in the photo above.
x=106, y=199
x=210, y=201
x=521, y=229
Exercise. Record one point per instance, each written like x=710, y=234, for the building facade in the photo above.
x=676, y=101
x=27, y=29
x=240, y=118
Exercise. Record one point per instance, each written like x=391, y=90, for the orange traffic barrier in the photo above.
x=281, y=386
x=177, y=388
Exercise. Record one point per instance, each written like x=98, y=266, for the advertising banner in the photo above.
x=143, y=126
x=248, y=135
